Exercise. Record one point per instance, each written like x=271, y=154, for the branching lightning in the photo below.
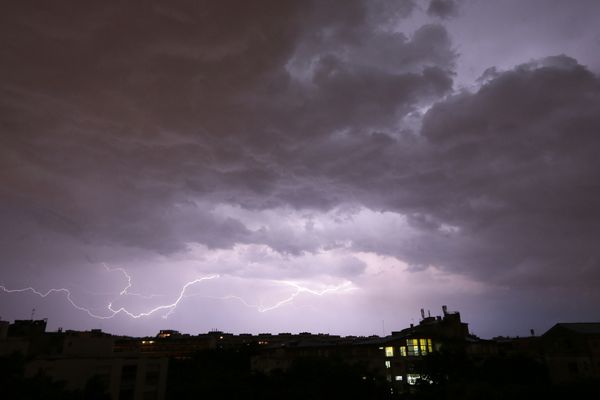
x=302, y=289
x=299, y=289
x=62, y=290
x=126, y=291
x=112, y=311
x=170, y=308
x=127, y=276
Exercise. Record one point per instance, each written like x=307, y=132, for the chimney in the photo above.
x=422, y=313
x=532, y=332
x=445, y=310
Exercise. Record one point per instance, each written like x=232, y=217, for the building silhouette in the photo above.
x=404, y=361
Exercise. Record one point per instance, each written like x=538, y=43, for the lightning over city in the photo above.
x=298, y=289
x=299, y=199
x=171, y=307
x=112, y=312
x=299, y=165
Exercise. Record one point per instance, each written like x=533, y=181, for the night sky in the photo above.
x=289, y=166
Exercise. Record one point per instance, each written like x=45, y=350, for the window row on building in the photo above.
x=412, y=348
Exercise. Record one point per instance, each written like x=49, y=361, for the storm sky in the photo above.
x=287, y=166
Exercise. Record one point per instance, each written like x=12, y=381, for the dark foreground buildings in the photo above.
x=437, y=358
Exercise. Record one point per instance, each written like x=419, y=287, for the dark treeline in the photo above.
x=451, y=375
x=226, y=374
x=14, y=385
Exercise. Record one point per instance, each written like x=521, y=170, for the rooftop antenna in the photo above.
x=422, y=313
x=32, y=313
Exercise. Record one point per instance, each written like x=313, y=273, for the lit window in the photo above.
x=429, y=346
x=398, y=377
x=412, y=346
x=412, y=379
x=423, y=346
x=389, y=351
x=388, y=364
x=403, y=351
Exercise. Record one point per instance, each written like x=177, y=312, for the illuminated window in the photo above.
x=398, y=377
x=417, y=347
x=412, y=379
x=389, y=351
x=412, y=346
x=388, y=364
x=403, y=351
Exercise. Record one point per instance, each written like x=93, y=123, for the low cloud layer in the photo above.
x=289, y=142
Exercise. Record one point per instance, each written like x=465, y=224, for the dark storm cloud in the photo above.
x=125, y=128
x=499, y=184
x=115, y=116
x=514, y=167
x=94, y=105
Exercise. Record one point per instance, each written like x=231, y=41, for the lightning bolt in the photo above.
x=170, y=308
x=299, y=289
x=62, y=290
x=126, y=291
x=127, y=276
x=302, y=289
x=113, y=312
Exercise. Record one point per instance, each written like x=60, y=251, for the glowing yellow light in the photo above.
x=389, y=351
x=412, y=378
